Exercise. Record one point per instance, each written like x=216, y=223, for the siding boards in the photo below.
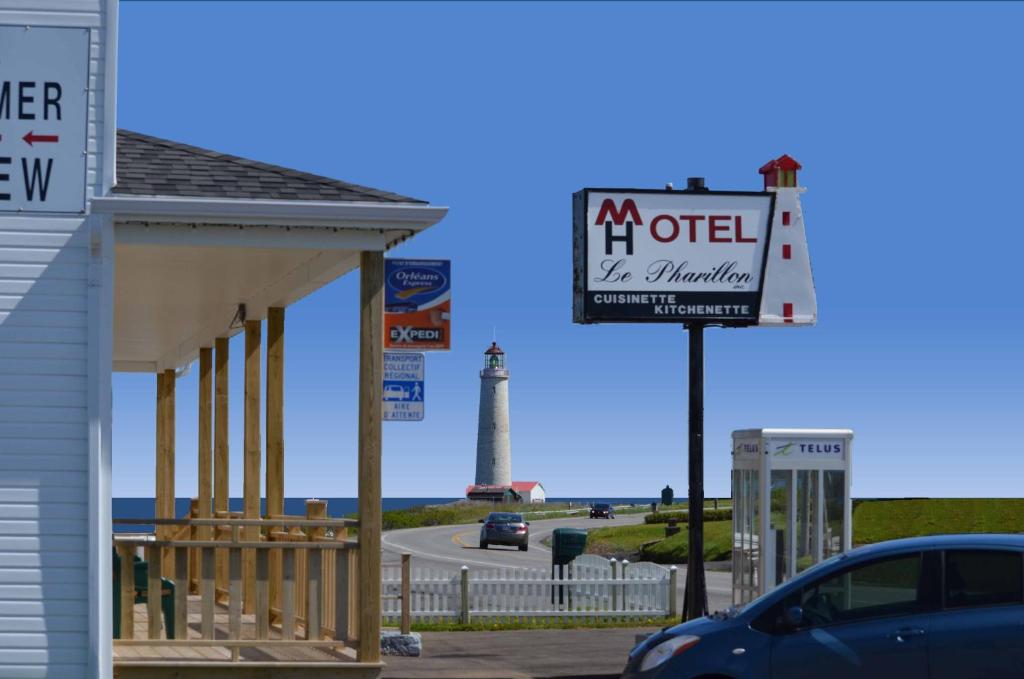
x=48, y=671
x=34, y=495
x=51, y=510
x=31, y=397
x=50, y=560
x=44, y=450
x=32, y=576
x=23, y=430
x=42, y=528
x=56, y=623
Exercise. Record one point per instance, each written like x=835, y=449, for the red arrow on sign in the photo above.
x=44, y=138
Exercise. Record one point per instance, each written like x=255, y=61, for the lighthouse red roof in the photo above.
x=495, y=349
x=783, y=162
x=780, y=172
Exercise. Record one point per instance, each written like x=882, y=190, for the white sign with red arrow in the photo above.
x=44, y=97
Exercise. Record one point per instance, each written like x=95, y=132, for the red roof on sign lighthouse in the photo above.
x=780, y=172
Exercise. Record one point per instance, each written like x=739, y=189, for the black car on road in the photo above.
x=602, y=510
x=505, y=528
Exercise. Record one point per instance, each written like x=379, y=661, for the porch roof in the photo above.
x=197, y=233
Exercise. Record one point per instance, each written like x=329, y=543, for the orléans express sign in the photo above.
x=667, y=256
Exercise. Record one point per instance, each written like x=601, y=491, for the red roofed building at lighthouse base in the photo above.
x=520, y=491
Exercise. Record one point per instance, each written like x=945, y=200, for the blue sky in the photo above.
x=906, y=118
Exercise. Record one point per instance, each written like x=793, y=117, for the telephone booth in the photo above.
x=791, y=504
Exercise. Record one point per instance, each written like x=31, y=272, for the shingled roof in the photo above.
x=150, y=166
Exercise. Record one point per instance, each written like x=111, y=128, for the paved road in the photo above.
x=448, y=548
x=515, y=654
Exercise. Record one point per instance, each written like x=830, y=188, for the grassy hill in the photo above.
x=879, y=520
x=873, y=521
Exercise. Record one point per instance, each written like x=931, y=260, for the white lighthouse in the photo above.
x=788, y=296
x=493, y=448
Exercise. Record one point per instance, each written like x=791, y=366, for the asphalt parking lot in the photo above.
x=551, y=654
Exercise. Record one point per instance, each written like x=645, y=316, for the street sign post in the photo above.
x=700, y=258
x=403, y=386
x=44, y=95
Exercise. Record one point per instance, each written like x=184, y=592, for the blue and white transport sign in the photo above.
x=403, y=386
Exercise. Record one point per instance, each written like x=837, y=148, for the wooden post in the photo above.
x=165, y=461
x=220, y=452
x=205, y=438
x=316, y=510
x=207, y=592
x=288, y=594
x=342, y=600
x=154, y=585
x=220, y=431
x=251, y=475
x=181, y=587
x=161, y=452
x=371, y=366
x=127, y=584
x=275, y=438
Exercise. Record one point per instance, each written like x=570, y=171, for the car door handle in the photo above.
x=902, y=635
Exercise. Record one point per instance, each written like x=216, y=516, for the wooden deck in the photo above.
x=274, y=658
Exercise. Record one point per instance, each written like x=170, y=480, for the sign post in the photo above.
x=403, y=386
x=698, y=258
x=695, y=601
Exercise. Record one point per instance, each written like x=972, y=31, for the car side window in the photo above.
x=876, y=589
x=983, y=578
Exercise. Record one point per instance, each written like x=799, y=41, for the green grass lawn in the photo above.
x=466, y=512
x=628, y=542
x=879, y=520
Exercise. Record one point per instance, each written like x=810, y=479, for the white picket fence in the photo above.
x=592, y=587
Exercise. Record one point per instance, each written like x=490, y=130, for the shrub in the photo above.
x=722, y=514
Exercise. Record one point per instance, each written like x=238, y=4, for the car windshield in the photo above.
x=602, y=506
x=505, y=518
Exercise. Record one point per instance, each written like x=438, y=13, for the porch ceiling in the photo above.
x=170, y=300
x=182, y=266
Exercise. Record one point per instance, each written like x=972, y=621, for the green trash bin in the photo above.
x=141, y=585
x=566, y=545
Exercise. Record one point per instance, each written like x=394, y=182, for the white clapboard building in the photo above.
x=121, y=251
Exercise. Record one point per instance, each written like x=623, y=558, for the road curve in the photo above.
x=448, y=548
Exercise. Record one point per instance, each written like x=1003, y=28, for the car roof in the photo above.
x=890, y=547
x=960, y=541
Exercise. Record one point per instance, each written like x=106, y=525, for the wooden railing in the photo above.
x=309, y=599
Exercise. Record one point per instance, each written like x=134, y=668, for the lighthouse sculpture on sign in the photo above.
x=788, y=294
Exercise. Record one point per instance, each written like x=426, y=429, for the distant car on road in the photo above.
x=602, y=510
x=503, y=528
x=938, y=607
x=395, y=392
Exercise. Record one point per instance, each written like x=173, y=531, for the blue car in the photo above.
x=941, y=607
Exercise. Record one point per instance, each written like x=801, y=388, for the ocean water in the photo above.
x=144, y=508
